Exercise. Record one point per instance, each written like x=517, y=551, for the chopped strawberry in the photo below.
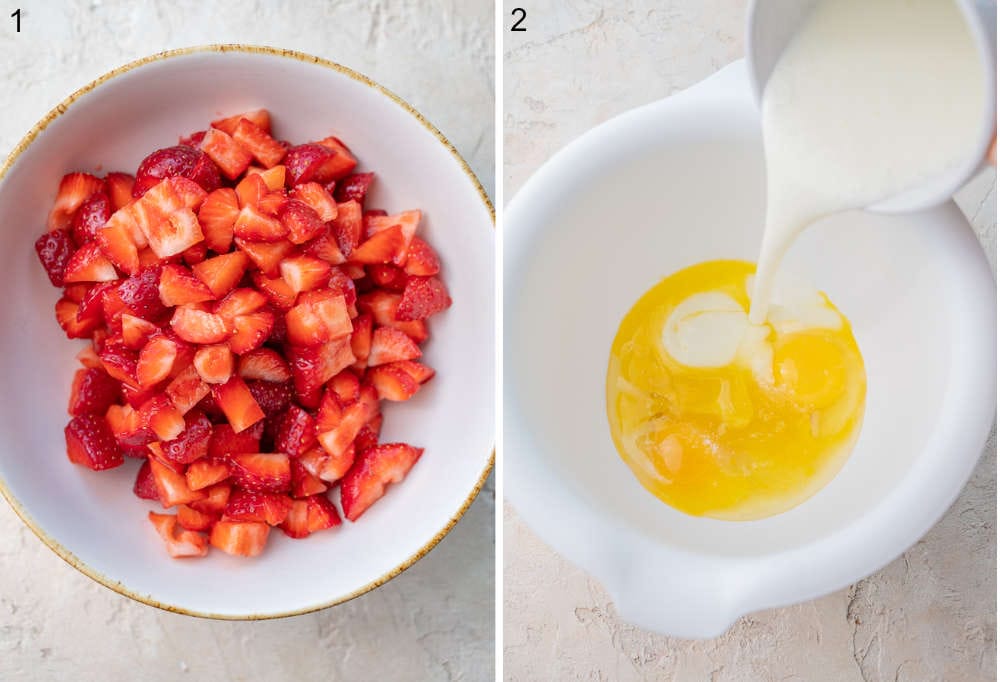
x=273, y=397
x=304, y=483
x=74, y=189
x=303, y=273
x=303, y=162
x=314, y=196
x=393, y=383
x=310, y=515
x=346, y=386
x=266, y=255
x=341, y=283
x=238, y=404
x=255, y=140
x=296, y=432
x=250, y=189
x=191, y=519
x=417, y=371
x=218, y=215
x=382, y=305
x=141, y=293
x=145, y=484
x=54, y=250
x=423, y=297
x=369, y=434
x=261, y=472
x=90, y=443
x=274, y=177
x=215, y=499
x=348, y=226
x=231, y=158
x=192, y=443
x=214, y=363
x=156, y=360
x=179, y=161
x=313, y=366
x=421, y=259
x=318, y=319
x=385, y=246
x=120, y=362
x=253, y=225
x=269, y=508
x=187, y=389
x=338, y=440
x=225, y=442
x=339, y=165
x=178, y=232
x=136, y=331
x=388, y=277
x=195, y=254
x=265, y=364
x=93, y=392
x=90, y=217
x=251, y=331
x=206, y=472
x=88, y=264
x=242, y=301
x=119, y=186
x=277, y=290
x=136, y=396
x=272, y=203
x=163, y=417
x=372, y=471
x=92, y=305
x=259, y=117
x=354, y=187
x=88, y=358
x=391, y=345
x=240, y=538
x=325, y=247
x=178, y=286
x=222, y=273
x=301, y=222
x=66, y=316
x=185, y=543
x=199, y=326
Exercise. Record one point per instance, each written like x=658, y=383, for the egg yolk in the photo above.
x=721, y=418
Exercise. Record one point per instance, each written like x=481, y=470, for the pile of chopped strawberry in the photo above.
x=247, y=316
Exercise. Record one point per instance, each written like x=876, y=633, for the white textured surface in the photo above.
x=928, y=616
x=434, y=622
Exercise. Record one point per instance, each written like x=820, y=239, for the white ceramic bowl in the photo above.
x=92, y=519
x=681, y=181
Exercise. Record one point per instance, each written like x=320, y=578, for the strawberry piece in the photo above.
x=179, y=287
x=206, y=472
x=251, y=331
x=90, y=217
x=417, y=371
x=421, y=259
x=393, y=383
x=170, y=484
x=301, y=221
x=319, y=317
x=239, y=302
x=313, y=195
x=66, y=316
x=90, y=443
x=262, y=146
x=382, y=305
x=119, y=186
x=77, y=292
x=192, y=443
x=304, y=273
x=178, y=232
x=136, y=396
x=54, y=251
x=354, y=187
x=74, y=189
x=296, y=432
x=339, y=165
x=261, y=472
x=269, y=508
x=348, y=226
x=313, y=366
x=225, y=442
x=272, y=202
x=88, y=358
x=183, y=544
x=264, y=364
x=303, y=161
x=145, y=485
x=179, y=161
x=338, y=440
x=346, y=386
x=277, y=290
x=253, y=225
x=266, y=255
x=163, y=417
x=309, y=515
x=198, y=326
x=273, y=397
x=391, y=345
x=214, y=363
x=93, y=392
x=388, y=277
x=217, y=216
x=341, y=283
x=423, y=297
x=250, y=189
x=222, y=273
x=372, y=471
x=191, y=519
x=187, y=389
x=385, y=246
x=136, y=331
x=88, y=264
x=141, y=293
x=231, y=158
x=304, y=483
x=195, y=254
x=126, y=424
x=120, y=362
x=156, y=361
x=215, y=499
x=259, y=117
x=274, y=177
x=368, y=435
x=237, y=403
x=92, y=305
x=240, y=538
x=325, y=247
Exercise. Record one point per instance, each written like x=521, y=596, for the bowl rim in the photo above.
x=223, y=48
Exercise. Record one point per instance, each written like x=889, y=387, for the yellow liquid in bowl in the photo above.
x=746, y=439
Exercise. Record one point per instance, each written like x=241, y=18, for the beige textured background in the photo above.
x=928, y=616
x=434, y=622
